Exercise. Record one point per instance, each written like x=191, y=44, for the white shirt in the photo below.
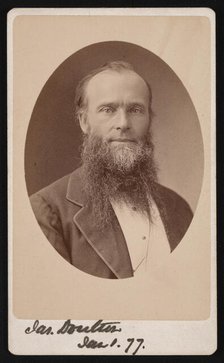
x=147, y=241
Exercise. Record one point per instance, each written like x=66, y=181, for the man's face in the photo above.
x=117, y=108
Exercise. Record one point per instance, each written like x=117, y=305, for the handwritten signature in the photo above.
x=70, y=328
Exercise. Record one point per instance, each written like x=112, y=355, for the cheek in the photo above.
x=98, y=129
x=93, y=124
x=141, y=128
x=99, y=126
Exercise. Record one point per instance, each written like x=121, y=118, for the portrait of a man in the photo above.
x=105, y=216
x=111, y=181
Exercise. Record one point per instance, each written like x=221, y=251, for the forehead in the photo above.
x=114, y=86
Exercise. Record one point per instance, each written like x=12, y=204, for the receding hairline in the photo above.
x=109, y=71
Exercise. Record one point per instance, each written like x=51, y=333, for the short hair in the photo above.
x=116, y=66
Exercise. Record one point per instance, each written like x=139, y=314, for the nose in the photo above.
x=122, y=121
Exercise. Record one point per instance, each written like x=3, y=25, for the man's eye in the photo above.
x=107, y=109
x=136, y=110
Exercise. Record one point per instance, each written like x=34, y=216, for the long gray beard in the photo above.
x=124, y=173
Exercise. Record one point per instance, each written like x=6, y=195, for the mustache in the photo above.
x=122, y=139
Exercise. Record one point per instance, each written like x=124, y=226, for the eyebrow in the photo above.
x=115, y=105
x=136, y=104
x=107, y=104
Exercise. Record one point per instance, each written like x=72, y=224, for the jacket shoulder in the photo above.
x=176, y=212
x=173, y=199
x=57, y=189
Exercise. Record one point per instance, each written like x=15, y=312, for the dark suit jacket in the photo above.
x=69, y=226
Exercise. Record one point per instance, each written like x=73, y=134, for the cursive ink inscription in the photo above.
x=98, y=327
x=132, y=345
x=69, y=328
x=39, y=329
x=91, y=343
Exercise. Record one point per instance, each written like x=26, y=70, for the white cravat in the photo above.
x=147, y=241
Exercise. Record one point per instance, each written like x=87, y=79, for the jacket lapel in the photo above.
x=110, y=245
x=170, y=227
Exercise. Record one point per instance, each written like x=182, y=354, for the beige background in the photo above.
x=44, y=285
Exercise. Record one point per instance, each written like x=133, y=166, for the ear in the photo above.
x=83, y=122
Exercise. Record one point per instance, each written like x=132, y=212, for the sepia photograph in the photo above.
x=112, y=167
x=95, y=215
